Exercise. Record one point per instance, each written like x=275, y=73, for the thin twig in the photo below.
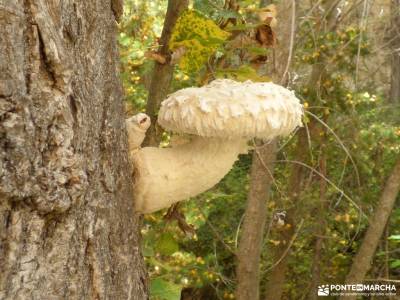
x=292, y=135
x=383, y=280
x=292, y=31
x=267, y=169
x=383, y=46
x=309, y=13
x=340, y=142
x=343, y=171
x=216, y=233
x=351, y=9
x=309, y=141
x=268, y=231
x=288, y=247
x=238, y=231
x=327, y=180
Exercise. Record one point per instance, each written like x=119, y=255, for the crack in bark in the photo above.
x=74, y=108
x=117, y=7
x=45, y=61
x=27, y=36
x=95, y=292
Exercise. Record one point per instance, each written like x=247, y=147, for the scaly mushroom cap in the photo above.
x=230, y=109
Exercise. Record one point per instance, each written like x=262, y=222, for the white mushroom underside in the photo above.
x=164, y=176
x=222, y=116
x=226, y=108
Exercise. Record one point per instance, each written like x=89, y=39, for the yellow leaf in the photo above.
x=274, y=242
x=199, y=36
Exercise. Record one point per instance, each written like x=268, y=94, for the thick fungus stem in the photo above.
x=164, y=176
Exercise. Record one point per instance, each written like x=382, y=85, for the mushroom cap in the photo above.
x=230, y=109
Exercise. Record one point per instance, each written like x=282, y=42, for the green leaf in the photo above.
x=395, y=264
x=242, y=73
x=395, y=237
x=242, y=27
x=258, y=50
x=148, y=251
x=381, y=253
x=208, y=7
x=162, y=289
x=228, y=14
x=166, y=244
x=125, y=40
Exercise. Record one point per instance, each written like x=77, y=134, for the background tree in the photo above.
x=362, y=260
x=67, y=224
x=163, y=71
x=395, y=42
x=298, y=175
x=264, y=155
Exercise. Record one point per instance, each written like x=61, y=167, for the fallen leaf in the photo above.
x=266, y=36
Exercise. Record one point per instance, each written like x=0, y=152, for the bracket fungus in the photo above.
x=220, y=118
x=137, y=127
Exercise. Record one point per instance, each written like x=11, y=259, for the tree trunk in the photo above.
x=362, y=260
x=250, y=245
x=162, y=73
x=395, y=55
x=277, y=277
x=67, y=224
x=276, y=280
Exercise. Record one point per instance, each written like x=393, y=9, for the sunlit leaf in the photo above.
x=395, y=237
x=199, y=36
x=165, y=290
x=395, y=264
x=167, y=244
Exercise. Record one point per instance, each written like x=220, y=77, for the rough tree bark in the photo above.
x=67, y=222
x=162, y=73
x=362, y=260
x=395, y=48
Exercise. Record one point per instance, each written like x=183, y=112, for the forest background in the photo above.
x=311, y=222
